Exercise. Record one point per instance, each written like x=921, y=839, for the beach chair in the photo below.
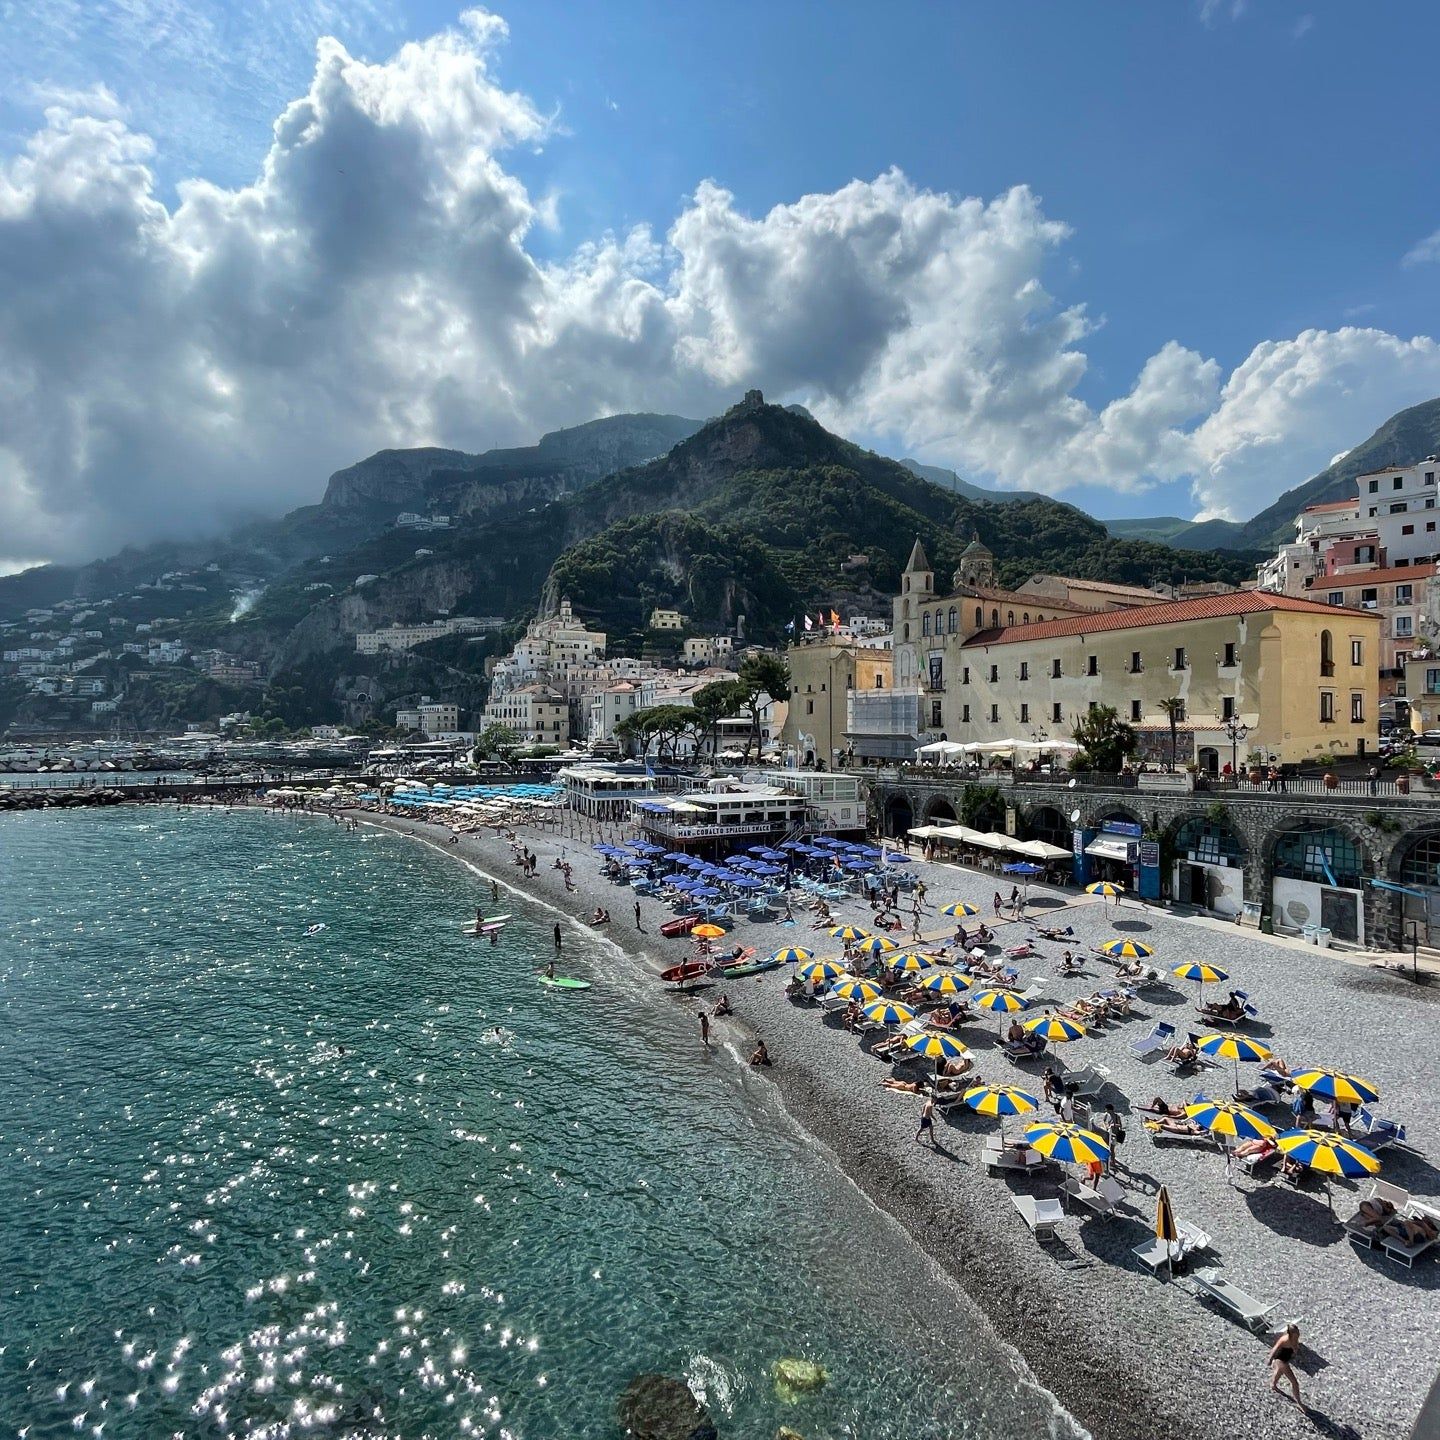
x=1103, y=1200
x=1002, y=1159
x=1402, y=1250
x=1211, y=1285
x=1365, y=1236
x=1160, y=1137
x=1022, y=1054
x=1042, y=1216
x=1086, y=1084
x=1375, y=1130
x=1155, y=1043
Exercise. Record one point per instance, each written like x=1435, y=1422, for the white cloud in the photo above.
x=167, y=366
x=1424, y=252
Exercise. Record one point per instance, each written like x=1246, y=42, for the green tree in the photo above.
x=763, y=674
x=496, y=742
x=713, y=702
x=1104, y=740
x=1174, y=709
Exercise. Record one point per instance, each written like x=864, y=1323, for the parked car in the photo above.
x=1430, y=737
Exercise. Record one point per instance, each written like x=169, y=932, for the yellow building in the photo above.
x=823, y=671
x=667, y=620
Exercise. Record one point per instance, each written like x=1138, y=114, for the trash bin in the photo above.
x=1267, y=924
x=1322, y=937
x=1311, y=934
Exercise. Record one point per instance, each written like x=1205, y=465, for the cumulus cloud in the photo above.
x=167, y=365
x=1424, y=252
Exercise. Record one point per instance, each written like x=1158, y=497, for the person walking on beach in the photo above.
x=998, y=904
x=638, y=925
x=557, y=937
x=704, y=1029
x=1282, y=1354
x=1114, y=1131
x=927, y=1121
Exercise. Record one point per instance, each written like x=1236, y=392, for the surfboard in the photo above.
x=564, y=982
x=752, y=967
x=491, y=922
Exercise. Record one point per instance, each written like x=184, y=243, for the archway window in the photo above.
x=925, y=623
x=1327, y=653
x=1324, y=854
x=1421, y=865
x=907, y=632
x=907, y=584
x=1209, y=843
x=979, y=618
x=1009, y=617
x=995, y=617
x=1048, y=824
x=954, y=619
x=1027, y=618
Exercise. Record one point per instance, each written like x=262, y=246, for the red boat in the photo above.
x=680, y=925
x=683, y=974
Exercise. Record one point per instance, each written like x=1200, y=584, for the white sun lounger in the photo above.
x=1042, y=1216
x=1401, y=1250
x=1000, y=1157
x=1210, y=1284
x=1103, y=1201
x=1364, y=1235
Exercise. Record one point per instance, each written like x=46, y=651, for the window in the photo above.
x=1024, y=714
x=1407, y=529
x=1227, y=707
x=935, y=714
x=1404, y=594
x=1369, y=599
x=1429, y=477
x=809, y=707
x=994, y=714
x=1399, y=508
x=1432, y=681
x=1057, y=711
x=1323, y=854
x=1134, y=709
x=995, y=618
x=965, y=676
x=1009, y=617
x=1327, y=707
x=1179, y=712
x=1024, y=670
x=1357, y=709
x=954, y=619
x=1374, y=487
x=879, y=682
x=1327, y=653
x=925, y=623
x=1093, y=706
x=1404, y=627
x=1054, y=669
x=1429, y=527
x=1398, y=483
x=1179, y=658
x=1135, y=666
x=979, y=618
x=994, y=674
x=1026, y=619
x=1336, y=597
x=1229, y=653
x=964, y=714
x=906, y=629
x=1357, y=652
x=1373, y=511
x=1092, y=665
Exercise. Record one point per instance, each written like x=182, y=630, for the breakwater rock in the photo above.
x=73, y=799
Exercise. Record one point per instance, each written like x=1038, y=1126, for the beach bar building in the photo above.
x=694, y=820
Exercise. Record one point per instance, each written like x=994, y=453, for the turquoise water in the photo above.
x=377, y=1181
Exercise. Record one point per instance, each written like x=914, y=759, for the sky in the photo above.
x=1152, y=259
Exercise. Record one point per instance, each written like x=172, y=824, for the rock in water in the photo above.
x=795, y=1377
x=659, y=1407
x=786, y=1433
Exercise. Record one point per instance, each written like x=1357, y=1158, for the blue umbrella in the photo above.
x=859, y=866
x=870, y=850
x=746, y=883
x=706, y=892
x=678, y=856
x=1023, y=867
x=772, y=855
x=891, y=857
x=693, y=862
x=768, y=870
x=759, y=849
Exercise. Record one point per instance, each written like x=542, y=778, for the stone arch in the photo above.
x=1316, y=872
x=939, y=811
x=1118, y=812
x=899, y=814
x=1205, y=861
x=1414, y=862
x=1045, y=822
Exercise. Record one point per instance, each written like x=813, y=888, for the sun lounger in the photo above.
x=1102, y=1201
x=1159, y=1136
x=1000, y=1158
x=1210, y=1284
x=1375, y=1130
x=1156, y=1042
x=1403, y=1250
x=1085, y=1084
x=1367, y=1236
x=1042, y=1216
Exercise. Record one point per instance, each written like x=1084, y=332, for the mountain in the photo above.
x=949, y=480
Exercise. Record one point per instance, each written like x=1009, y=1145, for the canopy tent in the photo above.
x=993, y=840
x=956, y=834
x=1110, y=847
x=1040, y=850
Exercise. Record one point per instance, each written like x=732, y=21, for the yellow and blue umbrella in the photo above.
x=1072, y=1143
x=1108, y=888
x=910, y=963
x=1054, y=1027
x=792, y=955
x=934, y=1046
x=1000, y=1100
x=877, y=944
x=1330, y=1154
x=948, y=983
x=1225, y=1117
x=1227, y=1045
x=822, y=971
x=852, y=989
x=1336, y=1085
x=847, y=932
x=1002, y=1002
x=960, y=909
x=1205, y=974
x=1127, y=949
x=888, y=1012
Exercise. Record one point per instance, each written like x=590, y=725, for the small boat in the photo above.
x=752, y=967
x=690, y=970
x=489, y=923
x=564, y=982
x=680, y=925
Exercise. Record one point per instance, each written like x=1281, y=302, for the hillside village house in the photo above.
x=431, y=718
x=1406, y=601
x=537, y=715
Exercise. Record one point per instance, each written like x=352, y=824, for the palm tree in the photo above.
x=1174, y=709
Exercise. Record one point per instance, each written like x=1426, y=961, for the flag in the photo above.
x=809, y=623
x=820, y=616
x=790, y=626
x=835, y=618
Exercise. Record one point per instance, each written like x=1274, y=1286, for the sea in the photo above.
x=284, y=1153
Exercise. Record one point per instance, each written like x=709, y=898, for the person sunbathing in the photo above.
x=906, y=1087
x=1261, y=1094
x=1412, y=1229
x=1053, y=932
x=1069, y=965
x=1157, y=1106
x=1291, y=1170
x=1182, y=1054
x=1262, y=1147
x=1132, y=969
x=1170, y=1126
x=1373, y=1214
x=1231, y=1010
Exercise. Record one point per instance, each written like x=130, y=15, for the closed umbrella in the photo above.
x=1165, y=1226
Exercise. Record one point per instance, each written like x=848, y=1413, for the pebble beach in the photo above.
x=1127, y=1353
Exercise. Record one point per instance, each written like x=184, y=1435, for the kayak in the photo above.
x=753, y=967
x=690, y=970
x=489, y=923
x=681, y=925
x=564, y=982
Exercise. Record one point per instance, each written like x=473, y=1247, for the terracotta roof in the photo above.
x=1105, y=585
x=1173, y=612
x=1332, y=505
x=1369, y=578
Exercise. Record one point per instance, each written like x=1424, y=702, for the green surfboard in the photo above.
x=564, y=982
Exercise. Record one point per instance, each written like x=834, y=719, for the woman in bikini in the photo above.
x=1282, y=1354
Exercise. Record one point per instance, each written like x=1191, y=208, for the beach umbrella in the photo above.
x=792, y=955
x=1165, y=1226
x=1002, y=1002
x=1000, y=1100
x=767, y=870
x=910, y=963
x=1127, y=949
x=1106, y=888
x=1072, y=1143
x=847, y=932
x=678, y=857
x=1225, y=1117
x=1227, y=1045
x=948, y=983
x=859, y=867
x=1334, y=1084
x=708, y=932
x=1205, y=974
x=759, y=850
x=888, y=1012
x=747, y=882
x=935, y=1046
x=821, y=971
x=960, y=908
x=852, y=989
x=876, y=945
x=1329, y=1153
x=1054, y=1027
x=892, y=857
x=706, y=892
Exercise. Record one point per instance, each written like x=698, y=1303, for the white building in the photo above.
x=1400, y=504
x=607, y=707
x=537, y=715
x=552, y=649
x=432, y=718
x=405, y=637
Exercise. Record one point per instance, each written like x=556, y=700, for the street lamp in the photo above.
x=1236, y=730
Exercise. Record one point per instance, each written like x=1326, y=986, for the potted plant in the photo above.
x=1253, y=760
x=1327, y=764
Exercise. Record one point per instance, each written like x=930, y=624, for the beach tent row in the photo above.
x=1040, y=850
x=954, y=749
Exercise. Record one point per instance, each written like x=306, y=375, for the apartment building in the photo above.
x=537, y=715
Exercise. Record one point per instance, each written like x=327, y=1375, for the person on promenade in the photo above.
x=638, y=925
x=927, y=1121
x=1282, y=1355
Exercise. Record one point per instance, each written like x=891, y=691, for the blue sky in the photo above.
x=1204, y=180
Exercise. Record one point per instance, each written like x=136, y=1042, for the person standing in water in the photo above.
x=557, y=937
x=704, y=1029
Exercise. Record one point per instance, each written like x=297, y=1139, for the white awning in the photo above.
x=1109, y=847
x=957, y=834
x=1041, y=850
x=993, y=840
